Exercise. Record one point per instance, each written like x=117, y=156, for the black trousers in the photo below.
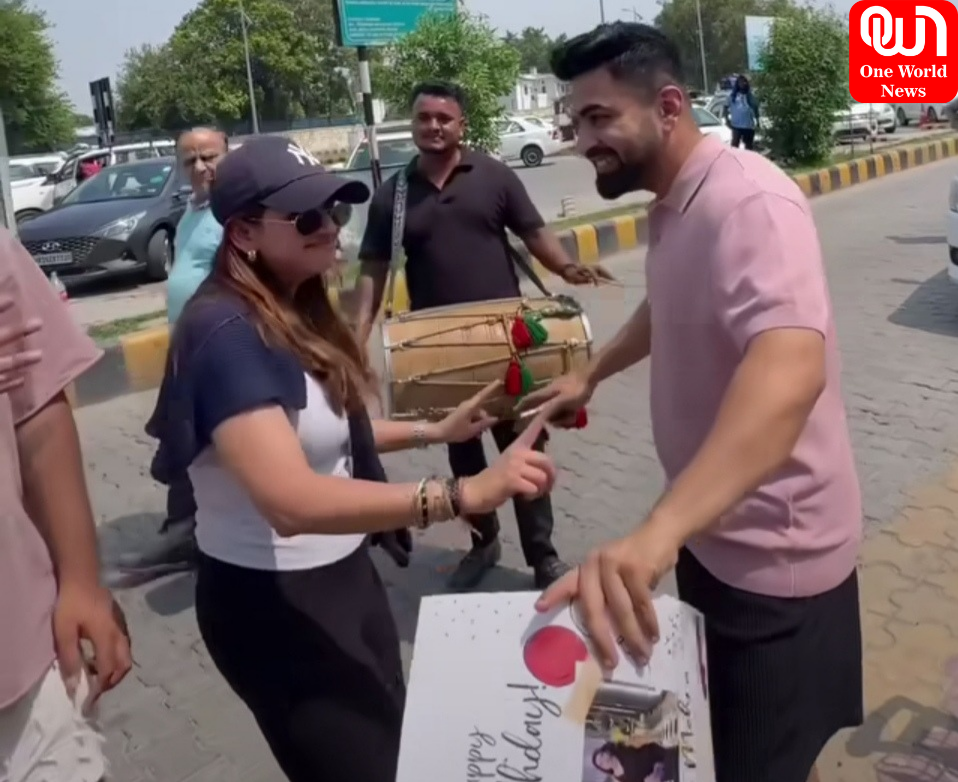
x=784, y=674
x=744, y=137
x=314, y=655
x=534, y=517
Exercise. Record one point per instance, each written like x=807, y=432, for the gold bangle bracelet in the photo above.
x=440, y=507
x=420, y=505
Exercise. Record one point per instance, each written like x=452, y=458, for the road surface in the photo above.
x=557, y=179
x=174, y=720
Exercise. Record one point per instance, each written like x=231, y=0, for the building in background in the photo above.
x=534, y=93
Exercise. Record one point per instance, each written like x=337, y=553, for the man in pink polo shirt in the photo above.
x=761, y=517
x=50, y=593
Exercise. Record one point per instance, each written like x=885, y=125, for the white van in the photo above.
x=34, y=197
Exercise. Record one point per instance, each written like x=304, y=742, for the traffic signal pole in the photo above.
x=7, y=218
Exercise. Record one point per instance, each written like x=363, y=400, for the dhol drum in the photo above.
x=437, y=358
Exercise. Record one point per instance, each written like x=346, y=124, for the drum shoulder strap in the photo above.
x=526, y=267
x=397, y=257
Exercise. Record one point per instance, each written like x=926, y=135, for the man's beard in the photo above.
x=627, y=178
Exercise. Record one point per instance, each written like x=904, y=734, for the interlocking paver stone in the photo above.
x=175, y=720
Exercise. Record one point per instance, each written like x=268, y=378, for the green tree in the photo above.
x=534, y=47
x=723, y=31
x=38, y=116
x=149, y=90
x=208, y=43
x=461, y=48
x=802, y=83
x=330, y=92
x=199, y=75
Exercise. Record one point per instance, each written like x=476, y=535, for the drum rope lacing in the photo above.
x=525, y=335
x=565, y=307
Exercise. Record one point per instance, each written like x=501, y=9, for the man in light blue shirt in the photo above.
x=198, y=234
x=197, y=240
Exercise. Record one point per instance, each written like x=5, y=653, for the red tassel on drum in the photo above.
x=521, y=335
x=581, y=419
x=513, y=379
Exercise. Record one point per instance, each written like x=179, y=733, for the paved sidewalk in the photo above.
x=909, y=582
x=174, y=720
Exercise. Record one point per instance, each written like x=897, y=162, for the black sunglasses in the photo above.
x=312, y=220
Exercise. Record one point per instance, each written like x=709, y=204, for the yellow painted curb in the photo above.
x=587, y=243
x=144, y=354
x=625, y=230
x=804, y=181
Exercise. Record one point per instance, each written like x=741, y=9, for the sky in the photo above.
x=90, y=37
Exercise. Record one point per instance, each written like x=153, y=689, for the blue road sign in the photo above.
x=382, y=22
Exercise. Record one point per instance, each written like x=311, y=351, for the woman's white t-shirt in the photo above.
x=231, y=529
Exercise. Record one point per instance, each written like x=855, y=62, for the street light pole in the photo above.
x=705, y=72
x=7, y=218
x=602, y=11
x=249, y=70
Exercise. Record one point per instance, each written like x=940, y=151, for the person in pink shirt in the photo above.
x=50, y=593
x=761, y=517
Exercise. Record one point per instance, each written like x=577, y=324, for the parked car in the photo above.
x=31, y=198
x=70, y=174
x=24, y=167
x=951, y=231
x=530, y=140
x=717, y=104
x=906, y=113
x=396, y=149
x=711, y=125
x=859, y=119
x=28, y=181
x=120, y=220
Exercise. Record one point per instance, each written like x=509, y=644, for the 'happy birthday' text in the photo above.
x=513, y=756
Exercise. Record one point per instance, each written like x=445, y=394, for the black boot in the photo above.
x=550, y=570
x=473, y=567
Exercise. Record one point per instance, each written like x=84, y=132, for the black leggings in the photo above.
x=743, y=136
x=314, y=654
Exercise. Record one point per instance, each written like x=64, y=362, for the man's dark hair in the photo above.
x=440, y=89
x=634, y=53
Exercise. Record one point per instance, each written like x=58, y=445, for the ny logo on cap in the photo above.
x=303, y=157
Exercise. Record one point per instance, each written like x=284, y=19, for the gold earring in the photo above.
x=251, y=256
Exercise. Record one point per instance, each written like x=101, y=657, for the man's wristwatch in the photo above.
x=568, y=268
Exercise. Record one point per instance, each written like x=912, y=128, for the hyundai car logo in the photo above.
x=50, y=247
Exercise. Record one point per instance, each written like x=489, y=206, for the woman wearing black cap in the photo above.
x=263, y=402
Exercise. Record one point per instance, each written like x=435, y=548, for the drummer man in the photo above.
x=459, y=204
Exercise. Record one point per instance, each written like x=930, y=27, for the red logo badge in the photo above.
x=903, y=51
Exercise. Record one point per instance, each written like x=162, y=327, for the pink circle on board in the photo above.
x=551, y=655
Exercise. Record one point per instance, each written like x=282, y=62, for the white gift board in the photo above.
x=500, y=693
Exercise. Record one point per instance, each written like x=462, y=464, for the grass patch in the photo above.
x=862, y=149
x=114, y=329
x=591, y=217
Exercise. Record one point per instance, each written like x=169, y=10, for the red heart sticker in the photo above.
x=551, y=655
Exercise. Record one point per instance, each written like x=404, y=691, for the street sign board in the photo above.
x=382, y=22
x=103, y=115
x=758, y=29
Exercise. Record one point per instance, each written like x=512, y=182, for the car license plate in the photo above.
x=54, y=259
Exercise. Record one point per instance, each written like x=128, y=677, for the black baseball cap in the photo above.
x=274, y=172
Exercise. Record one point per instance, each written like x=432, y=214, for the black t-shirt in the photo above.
x=455, y=238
